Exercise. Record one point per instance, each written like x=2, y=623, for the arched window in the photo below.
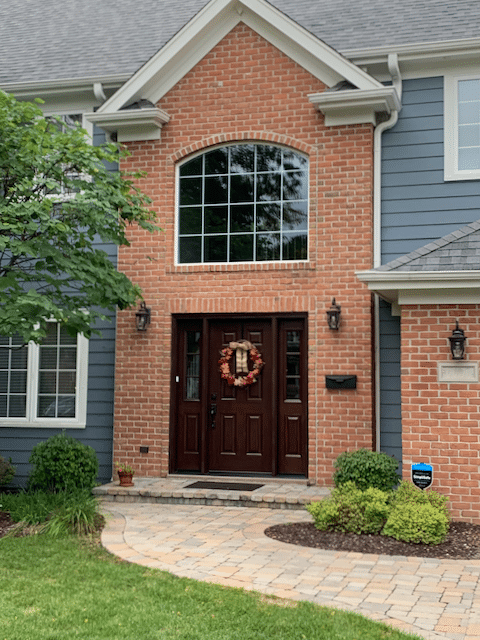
x=243, y=203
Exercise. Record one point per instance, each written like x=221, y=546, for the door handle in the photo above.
x=213, y=413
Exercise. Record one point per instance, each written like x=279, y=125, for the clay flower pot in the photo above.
x=126, y=478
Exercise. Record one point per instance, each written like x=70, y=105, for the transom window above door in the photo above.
x=243, y=203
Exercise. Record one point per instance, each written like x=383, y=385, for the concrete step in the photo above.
x=274, y=493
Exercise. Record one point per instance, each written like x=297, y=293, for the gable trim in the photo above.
x=156, y=77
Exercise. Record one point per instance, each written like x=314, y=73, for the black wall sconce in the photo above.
x=457, y=343
x=333, y=316
x=142, y=317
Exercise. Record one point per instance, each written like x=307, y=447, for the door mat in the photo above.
x=225, y=486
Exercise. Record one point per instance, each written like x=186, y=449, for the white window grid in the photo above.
x=281, y=231
x=31, y=418
x=458, y=143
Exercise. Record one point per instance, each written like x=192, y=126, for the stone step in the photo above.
x=274, y=493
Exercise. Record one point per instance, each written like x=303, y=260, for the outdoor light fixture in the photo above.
x=142, y=317
x=457, y=343
x=333, y=316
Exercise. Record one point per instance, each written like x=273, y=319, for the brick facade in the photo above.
x=247, y=90
x=441, y=420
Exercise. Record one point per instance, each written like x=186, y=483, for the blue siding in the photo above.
x=17, y=443
x=418, y=206
x=390, y=398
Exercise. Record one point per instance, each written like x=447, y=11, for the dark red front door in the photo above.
x=240, y=427
x=228, y=429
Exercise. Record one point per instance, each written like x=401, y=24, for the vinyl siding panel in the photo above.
x=17, y=443
x=390, y=396
x=418, y=206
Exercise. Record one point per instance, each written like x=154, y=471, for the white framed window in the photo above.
x=243, y=203
x=44, y=385
x=462, y=127
x=65, y=121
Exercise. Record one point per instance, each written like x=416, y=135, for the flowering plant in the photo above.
x=240, y=381
x=123, y=467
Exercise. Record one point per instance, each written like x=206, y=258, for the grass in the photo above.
x=67, y=587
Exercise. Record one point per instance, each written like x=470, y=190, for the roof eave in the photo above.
x=415, y=287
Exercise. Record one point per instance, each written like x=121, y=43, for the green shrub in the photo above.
x=419, y=523
x=350, y=509
x=408, y=493
x=366, y=469
x=62, y=463
x=7, y=471
x=54, y=513
x=417, y=516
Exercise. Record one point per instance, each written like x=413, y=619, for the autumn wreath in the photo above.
x=240, y=381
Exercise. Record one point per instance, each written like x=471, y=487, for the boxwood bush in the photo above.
x=417, y=516
x=407, y=513
x=350, y=509
x=62, y=463
x=366, y=469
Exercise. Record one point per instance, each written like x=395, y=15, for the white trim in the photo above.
x=132, y=124
x=210, y=26
x=355, y=106
x=450, y=93
x=81, y=387
x=424, y=287
x=88, y=126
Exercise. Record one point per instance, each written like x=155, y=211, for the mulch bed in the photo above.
x=462, y=543
x=6, y=523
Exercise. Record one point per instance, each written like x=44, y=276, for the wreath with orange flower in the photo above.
x=240, y=381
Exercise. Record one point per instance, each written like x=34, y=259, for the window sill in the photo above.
x=18, y=423
x=214, y=267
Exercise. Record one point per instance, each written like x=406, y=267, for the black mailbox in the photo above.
x=341, y=382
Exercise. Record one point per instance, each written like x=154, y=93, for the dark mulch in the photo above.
x=6, y=523
x=462, y=543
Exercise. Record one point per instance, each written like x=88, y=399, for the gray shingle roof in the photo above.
x=458, y=251
x=61, y=39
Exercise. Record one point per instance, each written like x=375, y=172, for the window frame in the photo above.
x=62, y=195
x=451, y=125
x=206, y=150
x=31, y=419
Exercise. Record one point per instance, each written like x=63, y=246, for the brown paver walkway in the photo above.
x=432, y=598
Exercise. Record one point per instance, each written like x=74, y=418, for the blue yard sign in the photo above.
x=422, y=475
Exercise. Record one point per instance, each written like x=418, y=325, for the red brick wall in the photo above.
x=245, y=89
x=441, y=421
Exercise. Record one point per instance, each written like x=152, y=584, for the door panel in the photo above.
x=243, y=443
x=222, y=428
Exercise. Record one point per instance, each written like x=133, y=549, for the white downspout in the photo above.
x=394, y=70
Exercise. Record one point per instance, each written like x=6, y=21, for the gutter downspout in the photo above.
x=394, y=71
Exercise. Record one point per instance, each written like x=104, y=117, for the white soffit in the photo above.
x=157, y=76
x=424, y=287
x=418, y=60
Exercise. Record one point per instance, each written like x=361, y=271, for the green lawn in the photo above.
x=64, y=588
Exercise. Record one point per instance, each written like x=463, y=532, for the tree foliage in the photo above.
x=58, y=202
